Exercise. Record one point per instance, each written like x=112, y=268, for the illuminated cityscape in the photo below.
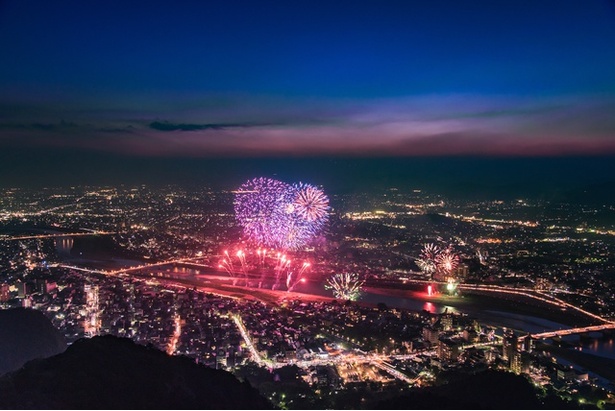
x=501, y=293
x=307, y=204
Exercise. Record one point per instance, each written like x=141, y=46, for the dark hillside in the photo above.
x=115, y=373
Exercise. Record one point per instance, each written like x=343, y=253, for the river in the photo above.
x=491, y=315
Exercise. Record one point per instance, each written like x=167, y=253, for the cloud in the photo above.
x=410, y=126
x=167, y=126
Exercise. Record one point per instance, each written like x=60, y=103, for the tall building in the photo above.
x=23, y=289
x=40, y=286
x=4, y=293
x=509, y=344
x=446, y=320
x=92, y=321
x=515, y=362
x=448, y=349
x=431, y=334
x=528, y=343
x=461, y=272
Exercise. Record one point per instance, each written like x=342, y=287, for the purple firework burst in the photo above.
x=275, y=214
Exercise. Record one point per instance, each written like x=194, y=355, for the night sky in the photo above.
x=82, y=82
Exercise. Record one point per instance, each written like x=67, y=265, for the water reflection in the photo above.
x=600, y=347
x=429, y=307
x=64, y=245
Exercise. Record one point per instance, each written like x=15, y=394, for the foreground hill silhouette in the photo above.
x=25, y=335
x=115, y=373
x=486, y=390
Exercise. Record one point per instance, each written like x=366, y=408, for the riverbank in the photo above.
x=478, y=303
x=234, y=291
x=605, y=367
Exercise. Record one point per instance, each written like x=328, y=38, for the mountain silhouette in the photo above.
x=115, y=373
x=26, y=334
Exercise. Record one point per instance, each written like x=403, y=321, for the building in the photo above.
x=509, y=344
x=40, y=286
x=570, y=374
x=92, y=322
x=446, y=321
x=431, y=334
x=515, y=362
x=528, y=343
x=5, y=293
x=449, y=349
x=221, y=359
x=23, y=289
x=461, y=272
x=470, y=335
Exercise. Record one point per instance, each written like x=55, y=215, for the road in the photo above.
x=374, y=359
x=42, y=236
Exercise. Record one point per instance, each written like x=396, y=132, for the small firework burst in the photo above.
x=447, y=261
x=430, y=251
x=426, y=266
x=345, y=286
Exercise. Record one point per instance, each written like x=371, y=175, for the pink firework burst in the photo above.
x=311, y=203
x=447, y=261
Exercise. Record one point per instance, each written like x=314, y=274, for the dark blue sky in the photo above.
x=203, y=78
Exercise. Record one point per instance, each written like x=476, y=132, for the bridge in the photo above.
x=55, y=235
x=128, y=269
x=150, y=265
x=570, y=331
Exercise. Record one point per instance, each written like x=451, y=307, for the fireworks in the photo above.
x=311, y=203
x=447, y=261
x=435, y=260
x=430, y=251
x=426, y=266
x=345, y=286
x=263, y=268
x=279, y=215
x=234, y=272
x=428, y=261
x=294, y=277
x=258, y=209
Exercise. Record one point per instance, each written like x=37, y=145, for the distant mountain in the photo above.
x=25, y=335
x=115, y=373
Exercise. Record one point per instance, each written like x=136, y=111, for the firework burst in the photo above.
x=426, y=266
x=296, y=276
x=311, y=204
x=428, y=261
x=258, y=209
x=263, y=267
x=447, y=261
x=345, y=286
x=279, y=215
x=430, y=252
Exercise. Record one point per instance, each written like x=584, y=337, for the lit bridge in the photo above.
x=128, y=269
x=570, y=331
x=41, y=236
